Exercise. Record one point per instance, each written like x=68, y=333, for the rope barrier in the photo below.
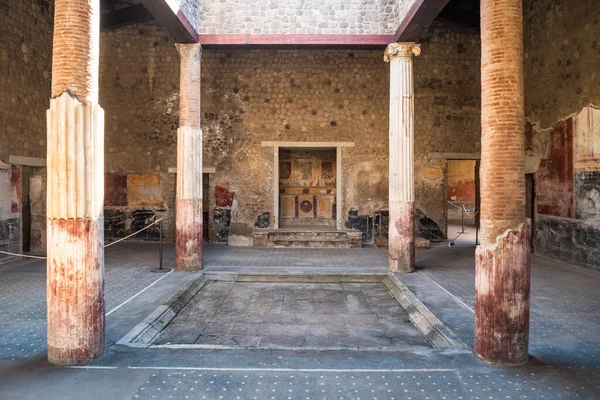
x=133, y=234
x=105, y=246
x=21, y=255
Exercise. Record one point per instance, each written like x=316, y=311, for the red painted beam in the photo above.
x=282, y=40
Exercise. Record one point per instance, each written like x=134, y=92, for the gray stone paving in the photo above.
x=294, y=315
x=563, y=338
x=349, y=260
x=23, y=294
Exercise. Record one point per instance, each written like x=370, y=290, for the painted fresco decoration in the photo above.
x=119, y=223
x=307, y=186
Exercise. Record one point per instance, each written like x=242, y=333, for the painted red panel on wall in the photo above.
x=115, y=189
x=554, y=180
x=223, y=196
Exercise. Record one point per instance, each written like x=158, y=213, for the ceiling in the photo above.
x=462, y=12
x=119, y=13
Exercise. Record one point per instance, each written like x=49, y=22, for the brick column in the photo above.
x=401, y=233
x=189, y=162
x=75, y=157
x=502, y=259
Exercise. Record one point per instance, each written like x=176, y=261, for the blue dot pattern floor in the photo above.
x=564, y=339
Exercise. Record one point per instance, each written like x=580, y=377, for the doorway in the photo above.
x=307, y=187
x=462, y=188
x=25, y=208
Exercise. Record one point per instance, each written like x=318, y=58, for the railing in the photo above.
x=160, y=246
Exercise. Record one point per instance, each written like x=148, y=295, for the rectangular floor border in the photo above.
x=439, y=335
x=143, y=334
x=436, y=333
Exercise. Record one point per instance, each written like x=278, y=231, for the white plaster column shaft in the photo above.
x=401, y=249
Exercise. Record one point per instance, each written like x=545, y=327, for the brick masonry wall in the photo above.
x=25, y=67
x=562, y=53
x=370, y=17
x=303, y=95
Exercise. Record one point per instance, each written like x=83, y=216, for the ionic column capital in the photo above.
x=401, y=50
x=189, y=50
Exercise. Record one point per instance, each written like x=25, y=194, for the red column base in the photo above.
x=401, y=247
x=188, y=235
x=75, y=290
x=502, y=298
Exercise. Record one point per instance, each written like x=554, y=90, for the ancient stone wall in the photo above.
x=366, y=17
x=447, y=110
x=192, y=10
x=561, y=83
x=139, y=90
x=251, y=96
x=25, y=64
x=562, y=51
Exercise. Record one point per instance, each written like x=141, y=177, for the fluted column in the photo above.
x=401, y=248
x=189, y=162
x=502, y=259
x=75, y=160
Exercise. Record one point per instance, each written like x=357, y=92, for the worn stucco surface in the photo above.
x=562, y=52
x=25, y=65
x=561, y=82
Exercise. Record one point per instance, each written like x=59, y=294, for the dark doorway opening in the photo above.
x=462, y=197
x=25, y=209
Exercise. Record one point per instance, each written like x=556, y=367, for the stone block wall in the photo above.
x=447, y=110
x=192, y=10
x=25, y=65
x=251, y=96
x=562, y=86
x=351, y=17
x=562, y=49
x=139, y=91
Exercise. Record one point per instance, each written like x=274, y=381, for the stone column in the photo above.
x=189, y=162
x=401, y=249
x=502, y=259
x=75, y=159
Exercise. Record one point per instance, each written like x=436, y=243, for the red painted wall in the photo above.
x=554, y=180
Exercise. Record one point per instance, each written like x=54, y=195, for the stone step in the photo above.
x=303, y=238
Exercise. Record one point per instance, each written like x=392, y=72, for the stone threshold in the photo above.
x=434, y=331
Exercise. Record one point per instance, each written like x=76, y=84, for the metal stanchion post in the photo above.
x=160, y=249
